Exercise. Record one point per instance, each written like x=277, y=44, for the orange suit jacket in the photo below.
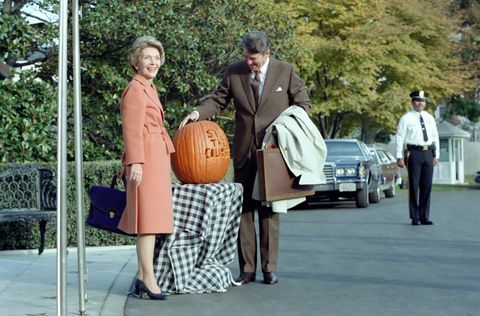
x=149, y=206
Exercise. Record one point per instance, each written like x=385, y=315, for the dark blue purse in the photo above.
x=106, y=207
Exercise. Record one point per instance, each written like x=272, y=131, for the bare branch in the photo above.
x=18, y=6
x=28, y=62
x=321, y=125
x=35, y=17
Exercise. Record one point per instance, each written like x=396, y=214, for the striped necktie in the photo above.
x=256, y=87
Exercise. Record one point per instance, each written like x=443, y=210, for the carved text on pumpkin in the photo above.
x=217, y=146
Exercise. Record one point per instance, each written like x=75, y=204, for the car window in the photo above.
x=376, y=156
x=366, y=150
x=343, y=149
x=383, y=156
x=390, y=155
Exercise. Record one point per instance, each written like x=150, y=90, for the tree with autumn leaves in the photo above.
x=360, y=60
x=468, y=104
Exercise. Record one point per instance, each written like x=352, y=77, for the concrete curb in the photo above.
x=70, y=249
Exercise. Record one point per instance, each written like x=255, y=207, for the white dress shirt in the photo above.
x=262, y=74
x=409, y=132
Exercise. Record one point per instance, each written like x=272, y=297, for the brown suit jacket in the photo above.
x=283, y=87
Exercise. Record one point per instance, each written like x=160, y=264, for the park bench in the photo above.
x=27, y=193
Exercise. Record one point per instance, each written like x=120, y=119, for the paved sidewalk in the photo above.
x=334, y=260
x=28, y=281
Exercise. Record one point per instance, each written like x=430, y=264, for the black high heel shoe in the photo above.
x=144, y=292
x=136, y=290
x=137, y=287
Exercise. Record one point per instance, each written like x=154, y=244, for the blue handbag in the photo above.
x=106, y=207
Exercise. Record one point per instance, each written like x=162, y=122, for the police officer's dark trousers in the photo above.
x=420, y=173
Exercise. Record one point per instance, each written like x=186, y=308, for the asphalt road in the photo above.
x=336, y=259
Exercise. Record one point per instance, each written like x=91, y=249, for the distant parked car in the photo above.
x=390, y=171
x=477, y=178
x=351, y=172
x=382, y=181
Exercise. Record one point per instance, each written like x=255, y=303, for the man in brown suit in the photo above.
x=261, y=87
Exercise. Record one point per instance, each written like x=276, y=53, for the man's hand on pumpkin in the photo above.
x=192, y=117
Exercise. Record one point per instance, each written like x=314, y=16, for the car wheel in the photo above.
x=362, y=197
x=374, y=196
x=390, y=192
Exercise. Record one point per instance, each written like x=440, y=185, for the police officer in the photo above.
x=417, y=147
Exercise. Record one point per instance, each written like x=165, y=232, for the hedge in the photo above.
x=26, y=235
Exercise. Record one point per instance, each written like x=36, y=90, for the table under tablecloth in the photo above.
x=195, y=258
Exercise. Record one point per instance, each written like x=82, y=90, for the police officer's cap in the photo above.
x=419, y=95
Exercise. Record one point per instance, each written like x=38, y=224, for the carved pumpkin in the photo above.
x=202, y=153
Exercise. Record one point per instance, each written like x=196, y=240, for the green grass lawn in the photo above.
x=470, y=184
x=454, y=187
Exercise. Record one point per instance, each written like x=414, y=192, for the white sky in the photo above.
x=34, y=10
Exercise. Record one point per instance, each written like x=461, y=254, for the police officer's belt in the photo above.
x=420, y=148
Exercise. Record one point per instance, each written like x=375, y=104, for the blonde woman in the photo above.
x=146, y=159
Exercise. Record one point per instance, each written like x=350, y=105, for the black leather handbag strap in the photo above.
x=116, y=176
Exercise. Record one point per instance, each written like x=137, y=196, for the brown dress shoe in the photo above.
x=269, y=278
x=246, y=277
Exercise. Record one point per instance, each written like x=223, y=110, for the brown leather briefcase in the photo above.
x=275, y=180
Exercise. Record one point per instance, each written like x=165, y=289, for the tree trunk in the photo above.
x=369, y=136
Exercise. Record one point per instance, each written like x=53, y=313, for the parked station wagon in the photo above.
x=390, y=171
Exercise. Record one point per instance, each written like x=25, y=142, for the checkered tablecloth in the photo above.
x=194, y=258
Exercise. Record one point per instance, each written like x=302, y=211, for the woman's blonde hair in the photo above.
x=139, y=44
